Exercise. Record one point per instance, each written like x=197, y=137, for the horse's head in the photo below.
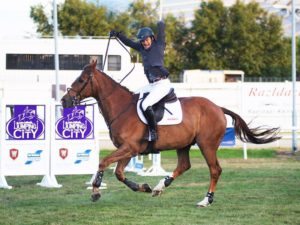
x=81, y=88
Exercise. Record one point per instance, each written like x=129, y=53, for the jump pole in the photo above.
x=156, y=168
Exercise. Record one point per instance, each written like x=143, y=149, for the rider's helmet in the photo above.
x=144, y=32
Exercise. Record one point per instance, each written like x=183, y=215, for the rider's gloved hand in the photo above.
x=114, y=33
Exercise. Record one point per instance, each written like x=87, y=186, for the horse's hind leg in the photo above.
x=132, y=185
x=183, y=165
x=209, y=151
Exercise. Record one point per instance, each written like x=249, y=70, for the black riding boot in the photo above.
x=149, y=114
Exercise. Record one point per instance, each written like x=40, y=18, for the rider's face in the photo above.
x=147, y=42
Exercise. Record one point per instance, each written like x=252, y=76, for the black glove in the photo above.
x=114, y=33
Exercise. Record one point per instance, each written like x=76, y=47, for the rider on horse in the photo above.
x=152, y=51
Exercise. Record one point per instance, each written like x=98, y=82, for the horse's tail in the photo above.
x=258, y=135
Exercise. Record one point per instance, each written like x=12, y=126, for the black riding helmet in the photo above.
x=144, y=32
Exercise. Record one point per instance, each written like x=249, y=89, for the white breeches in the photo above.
x=157, y=91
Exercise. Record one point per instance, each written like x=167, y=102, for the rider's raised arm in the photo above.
x=135, y=45
x=161, y=35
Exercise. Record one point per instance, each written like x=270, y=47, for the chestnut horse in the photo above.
x=203, y=123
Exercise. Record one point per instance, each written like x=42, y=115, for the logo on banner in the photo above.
x=74, y=124
x=63, y=153
x=33, y=157
x=83, y=156
x=25, y=125
x=13, y=153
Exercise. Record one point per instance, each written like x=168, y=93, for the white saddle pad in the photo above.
x=173, y=114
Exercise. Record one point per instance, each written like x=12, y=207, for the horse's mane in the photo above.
x=88, y=67
x=123, y=87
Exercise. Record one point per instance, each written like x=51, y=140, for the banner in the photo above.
x=229, y=137
x=24, y=138
x=269, y=104
x=74, y=148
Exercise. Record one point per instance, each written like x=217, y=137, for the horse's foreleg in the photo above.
x=183, y=165
x=132, y=185
x=123, y=152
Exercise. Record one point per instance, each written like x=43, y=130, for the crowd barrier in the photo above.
x=42, y=138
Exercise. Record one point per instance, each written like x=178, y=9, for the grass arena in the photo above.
x=264, y=189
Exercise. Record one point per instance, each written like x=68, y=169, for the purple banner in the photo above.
x=74, y=124
x=25, y=124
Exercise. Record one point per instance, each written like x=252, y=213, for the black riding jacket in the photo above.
x=153, y=58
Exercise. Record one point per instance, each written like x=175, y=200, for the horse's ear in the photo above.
x=94, y=64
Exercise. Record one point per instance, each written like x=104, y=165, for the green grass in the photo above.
x=222, y=153
x=226, y=153
x=261, y=190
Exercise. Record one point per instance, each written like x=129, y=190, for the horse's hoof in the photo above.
x=95, y=197
x=147, y=188
x=204, y=203
x=156, y=193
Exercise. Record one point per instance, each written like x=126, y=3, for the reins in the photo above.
x=77, y=102
x=102, y=69
x=106, y=53
x=105, y=56
x=130, y=57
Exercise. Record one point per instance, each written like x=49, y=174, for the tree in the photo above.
x=38, y=15
x=257, y=43
x=174, y=54
x=208, y=36
x=246, y=44
x=276, y=50
x=75, y=17
x=241, y=37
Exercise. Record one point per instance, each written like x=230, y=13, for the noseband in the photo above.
x=76, y=99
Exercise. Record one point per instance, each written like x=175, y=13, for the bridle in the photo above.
x=76, y=98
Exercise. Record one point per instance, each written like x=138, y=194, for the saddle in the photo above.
x=167, y=111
